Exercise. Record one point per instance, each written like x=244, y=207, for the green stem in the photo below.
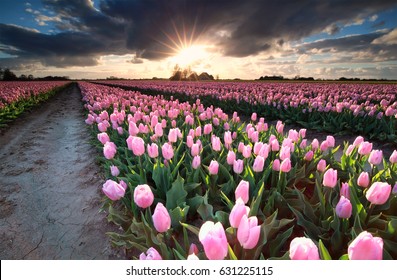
x=371, y=209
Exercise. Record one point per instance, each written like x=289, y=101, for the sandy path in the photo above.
x=50, y=186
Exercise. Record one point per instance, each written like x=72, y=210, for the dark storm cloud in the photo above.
x=146, y=28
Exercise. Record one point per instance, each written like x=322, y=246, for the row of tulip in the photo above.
x=16, y=97
x=185, y=181
x=366, y=109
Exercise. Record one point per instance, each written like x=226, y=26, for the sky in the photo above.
x=324, y=39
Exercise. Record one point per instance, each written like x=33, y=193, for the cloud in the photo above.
x=387, y=39
x=149, y=29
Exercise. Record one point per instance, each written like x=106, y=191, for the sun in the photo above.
x=190, y=55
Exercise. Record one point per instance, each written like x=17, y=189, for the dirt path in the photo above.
x=50, y=186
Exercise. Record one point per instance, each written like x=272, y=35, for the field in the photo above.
x=207, y=170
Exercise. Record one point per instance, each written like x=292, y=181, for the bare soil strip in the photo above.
x=50, y=186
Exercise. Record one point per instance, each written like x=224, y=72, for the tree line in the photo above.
x=7, y=75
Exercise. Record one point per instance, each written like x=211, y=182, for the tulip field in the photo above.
x=186, y=178
x=16, y=97
x=363, y=109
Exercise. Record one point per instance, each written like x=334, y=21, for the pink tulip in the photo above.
x=345, y=190
x=285, y=165
x=213, y=238
x=365, y=148
x=303, y=144
x=161, y=218
x=133, y=130
x=366, y=247
x=238, y=211
x=279, y=127
x=293, y=135
x=254, y=117
x=322, y=164
x=158, y=130
x=207, y=129
x=330, y=178
x=238, y=166
x=344, y=208
x=231, y=157
x=302, y=248
x=242, y=191
x=189, y=141
x=136, y=144
x=393, y=157
x=120, y=130
x=173, y=135
x=248, y=232
x=363, y=180
x=276, y=165
x=358, y=141
x=167, y=151
x=109, y=150
x=143, y=196
x=247, y=151
x=309, y=155
x=151, y=254
x=264, y=151
x=240, y=147
x=103, y=137
x=195, y=150
x=315, y=144
x=216, y=143
x=375, y=157
x=378, y=193
x=285, y=152
x=227, y=138
x=275, y=146
x=257, y=147
x=114, y=170
x=102, y=127
x=331, y=141
x=349, y=150
x=302, y=132
x=324, y=146
x=258, y=164
x=113, y=190
x=196, y=162
x=153, y=150
x=213, y=167
x=197, y=131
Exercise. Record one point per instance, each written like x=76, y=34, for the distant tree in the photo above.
x=8, y=75
x=1, y=73
x=30, y=77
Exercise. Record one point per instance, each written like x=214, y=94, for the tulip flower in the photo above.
x=365, y=148
x=196, y=162
x=330, y=178
x=161, y=218
x=143, y=196
x=345, y=190
x=213, y=167
x=213, y=238
x=216, y=143
x=285, y=165
x=151, y=254
x=103, y=137
x=394, y=190
x=109, y=150
x=358, y=141
x=242, y=191
x=207, y=129
x=378, y=193
x=366, y=247
x=136, y=145
x=153, y=150
x=173, y=135
x=331, y=141
x=363, y=180
x=285, y=152
x=344, y=208
x=302, y=248
x=393, y=157
x=231, y=157
x=276, y=165
x=158, y=130
x=113, y=190
x=322, y=164
x=195, y=150
x=248, y=232
x=114, y=170
x=228, y=138
x=247, y=151
x=238, y=211
x=309, y=155
x=258, y=164
x=167, y=151
x=375, y=157
x=238, y=166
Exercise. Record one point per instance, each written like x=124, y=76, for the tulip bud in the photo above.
x=213, y=238
x=231, y=157
x=393, y=157
x=330, y=178
x=196, y=162
x=167, y=151
x=258, y=164
x=238, y=166
x=285, y=165
x=242, y=191
x=161, y=218
x=109, y=150
x=302, y=248
x=344, y=208
x=375, y=157
x=143, y=196
x=366, y=247
x=378, y=193
x=248, y=232
x=238, y=211
x=213, y=167
x=114, y=170
x=322, y=164
x=113, y=190
x=363, y=180
x=276, y=165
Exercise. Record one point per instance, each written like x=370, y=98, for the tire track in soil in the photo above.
x=50, y=186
